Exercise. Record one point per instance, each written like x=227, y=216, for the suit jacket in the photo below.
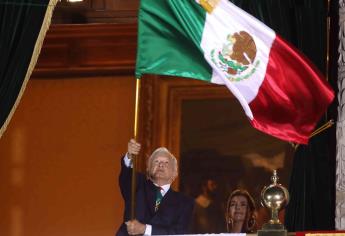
x=173, y=215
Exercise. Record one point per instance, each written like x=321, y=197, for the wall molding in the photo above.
x=87, y=50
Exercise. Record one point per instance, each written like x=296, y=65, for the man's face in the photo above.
x=162, y=170
x=211, y=185
x=211, y=188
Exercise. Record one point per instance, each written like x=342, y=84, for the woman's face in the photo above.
x=238, y=208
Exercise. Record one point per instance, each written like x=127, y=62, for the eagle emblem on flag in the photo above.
x=237, y=57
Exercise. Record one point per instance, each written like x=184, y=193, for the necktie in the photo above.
x=159, y=197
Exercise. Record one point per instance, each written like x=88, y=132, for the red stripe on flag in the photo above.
x=293, y=96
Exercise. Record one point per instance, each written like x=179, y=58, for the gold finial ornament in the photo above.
x=209, y=5
x=274, y=197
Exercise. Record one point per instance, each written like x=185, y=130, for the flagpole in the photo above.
x=134, y=158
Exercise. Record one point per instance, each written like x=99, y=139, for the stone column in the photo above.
x=340, y=158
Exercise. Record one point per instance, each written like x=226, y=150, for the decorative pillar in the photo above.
x=340, y=158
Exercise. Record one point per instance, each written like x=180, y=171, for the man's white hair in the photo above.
x=163, y=152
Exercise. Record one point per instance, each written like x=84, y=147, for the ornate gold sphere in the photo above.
x=275, y=197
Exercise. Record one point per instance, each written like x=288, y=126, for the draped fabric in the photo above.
x=23, y=25
x=312, y=187
x=301, y=22
x=312, y=181
x=280, y=91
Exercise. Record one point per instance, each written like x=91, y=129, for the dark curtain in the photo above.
x=312, y=181
x=312, y=187
x=23, y=24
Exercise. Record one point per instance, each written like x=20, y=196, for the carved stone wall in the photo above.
x=340, y=159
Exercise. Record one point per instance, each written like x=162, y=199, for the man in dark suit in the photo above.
x=159, y=209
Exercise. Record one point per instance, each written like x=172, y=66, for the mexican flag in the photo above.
x=281, y=92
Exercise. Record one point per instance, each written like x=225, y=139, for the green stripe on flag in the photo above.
x=169, y=37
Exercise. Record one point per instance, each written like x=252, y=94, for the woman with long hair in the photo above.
x=240, y=212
